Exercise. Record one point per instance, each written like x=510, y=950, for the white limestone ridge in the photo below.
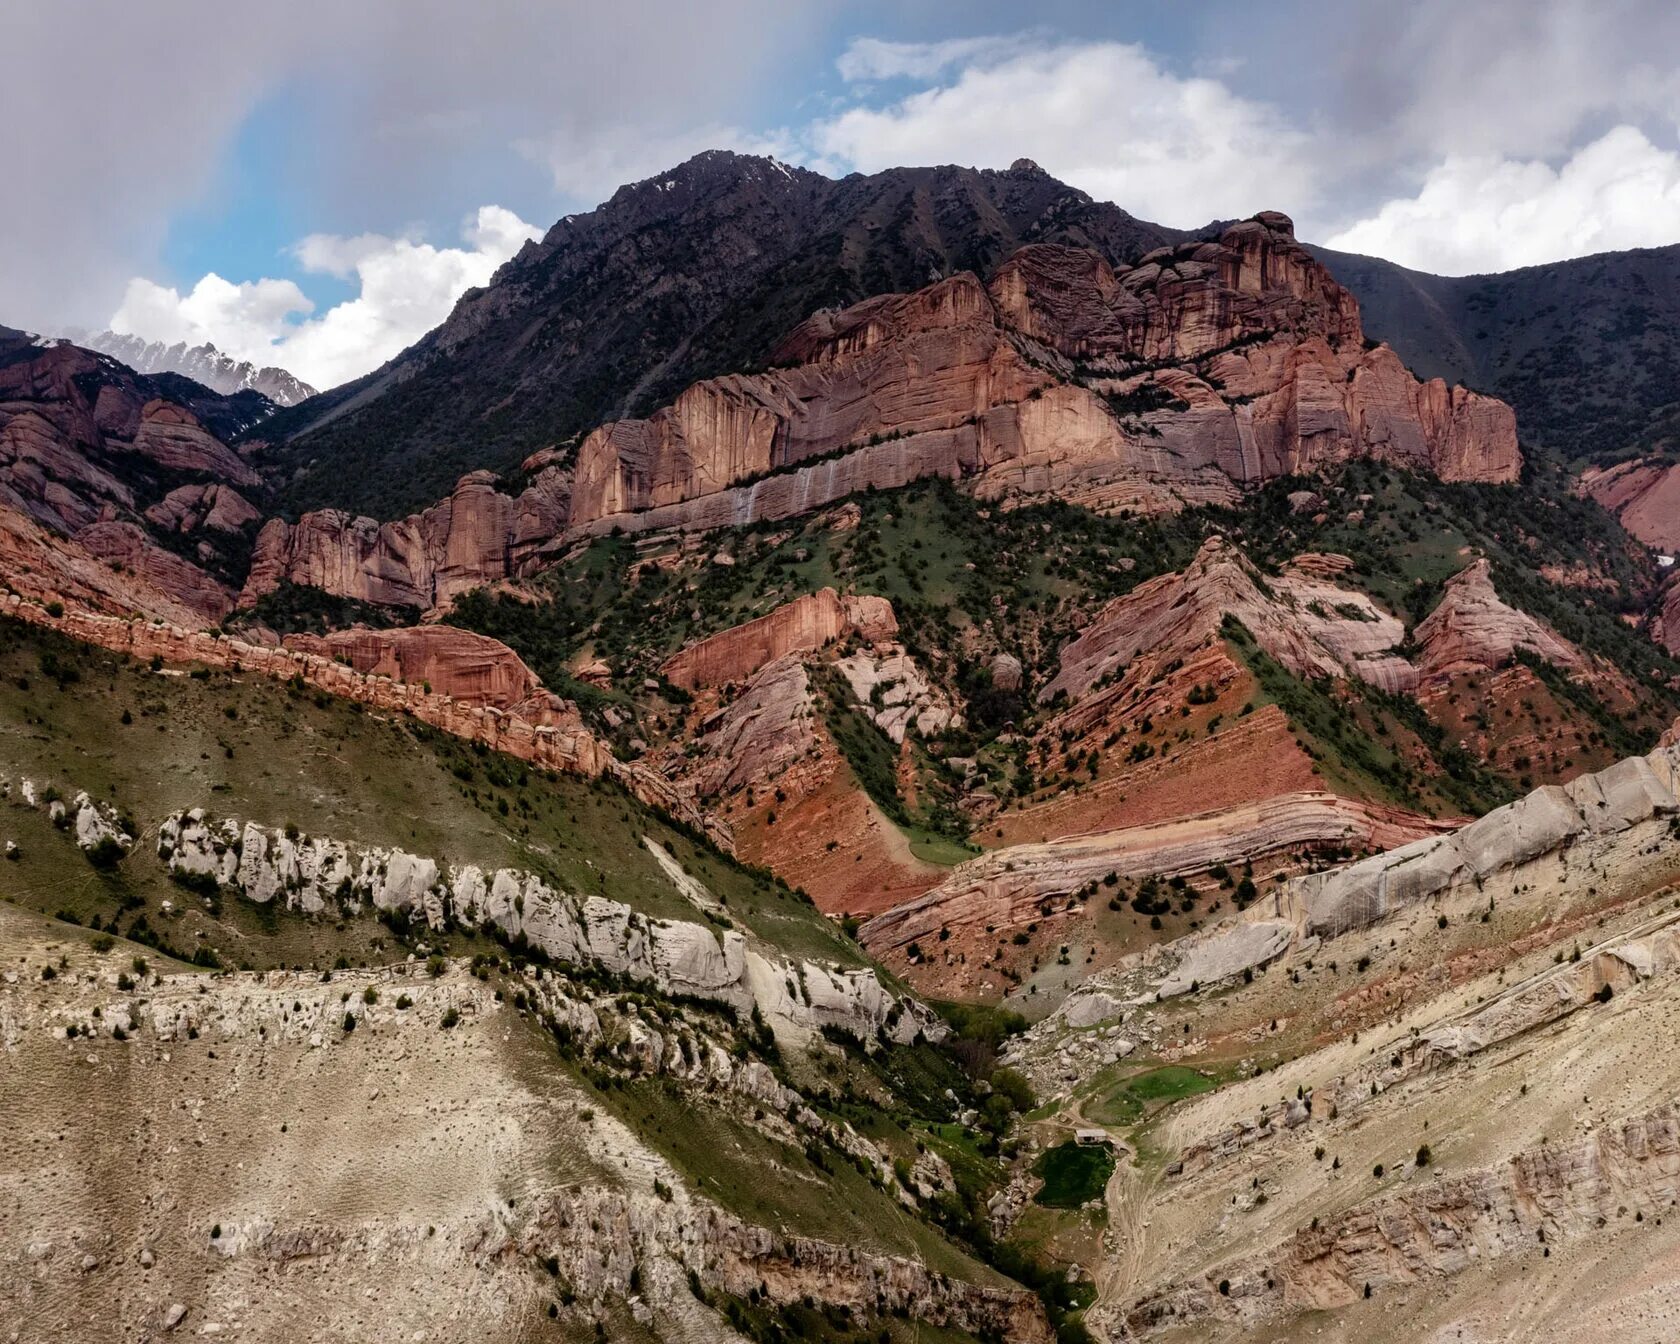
x=316, y=874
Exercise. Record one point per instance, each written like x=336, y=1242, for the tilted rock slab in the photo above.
x=1610, y=812
x=1006, y=888
x=1559, y=1190
x=802, y=626
x=316, y=875
x=544, y=730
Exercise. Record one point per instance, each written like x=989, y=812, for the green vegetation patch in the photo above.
x=1073, y=1173
x=1132, y=1099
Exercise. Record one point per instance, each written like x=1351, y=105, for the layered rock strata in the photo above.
x=975, y=381
x=1614, y=819
x=88, y=449
x=1552, y=1192
x=317, y=875
x=801, y=626
x=1008, y=889
x=477, y=536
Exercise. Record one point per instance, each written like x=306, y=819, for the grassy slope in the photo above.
x=254, y=749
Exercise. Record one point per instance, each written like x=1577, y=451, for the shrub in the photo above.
x=450, y=1017
x=105, y=853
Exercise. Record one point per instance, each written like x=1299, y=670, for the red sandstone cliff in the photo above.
x=88, y=450
x=476, y=536
x=1265, y=373
x=801, y=626
x=1206, y=368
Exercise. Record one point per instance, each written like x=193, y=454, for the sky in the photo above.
x=314, y=184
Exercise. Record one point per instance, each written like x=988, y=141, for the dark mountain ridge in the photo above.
x=1586, y=351
x=686, y=275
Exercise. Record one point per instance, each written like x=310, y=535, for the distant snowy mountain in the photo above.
x=202, y=363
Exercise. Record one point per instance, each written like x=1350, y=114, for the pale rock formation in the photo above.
x=765, y=729
x=1606, y=818
x=1007, y=888
x=97, y=825
x=1006, y=672
x=801, y=626
x=621, y=1226
x=679, y=958
x=891, y=690
x=1552, y=1192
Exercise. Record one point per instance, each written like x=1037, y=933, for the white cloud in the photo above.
x=1477, y=214
x=406, y=288
x=871, y=58
x=1104, y=116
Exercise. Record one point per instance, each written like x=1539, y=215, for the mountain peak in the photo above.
x=202, y=363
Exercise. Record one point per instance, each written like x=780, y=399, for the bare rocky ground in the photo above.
x=277, y=1171
x=1452, y=1121
x=229, y=1155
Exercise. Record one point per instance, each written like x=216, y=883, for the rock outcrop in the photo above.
x=316, y=875
x=1472, y=629
x=1644, y=494
x=892, y=692
x=477, y=536
x=1009, y=888
x=1309, y=624
x=1266, y=374
x=765, y=729
x=88, y=449
x=44, y=567
x=801, y=626
x=190, y=507
x=599, y=1223
x=1551, y=1192
x=470, y=668
x=1614, y=818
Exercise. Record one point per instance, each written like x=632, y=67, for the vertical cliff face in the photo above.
x=799, y=627
x=1208, y=367
x=1177, y=303
x=478, y=535
x=1235, y=361
x=927, y=363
